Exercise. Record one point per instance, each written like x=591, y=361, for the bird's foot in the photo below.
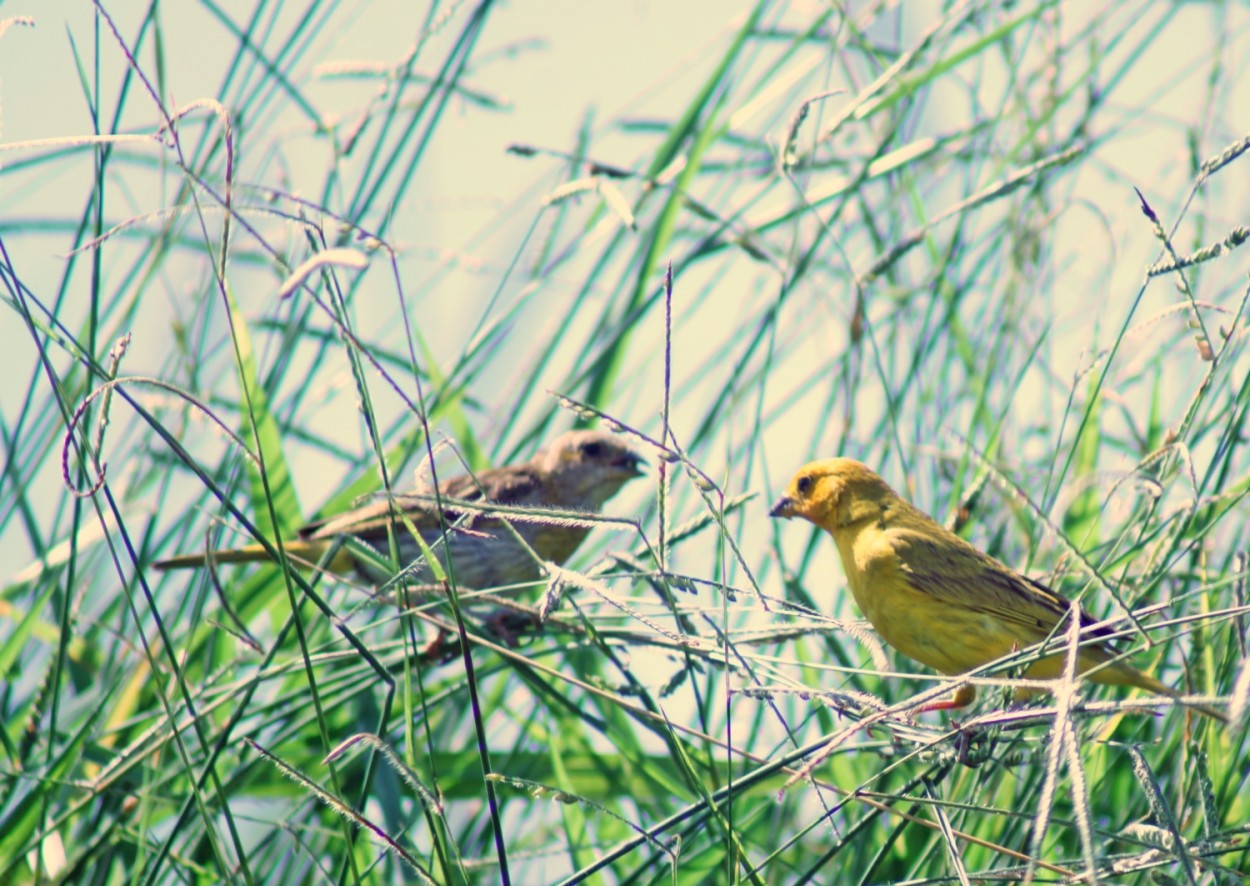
x=972, y=745
x=963, y=696
x=507, y=625
x=439, y=649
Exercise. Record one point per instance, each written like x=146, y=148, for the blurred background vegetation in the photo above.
x=337, y=238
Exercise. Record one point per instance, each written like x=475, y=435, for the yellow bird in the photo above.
x=934, y=597
x=578, y=473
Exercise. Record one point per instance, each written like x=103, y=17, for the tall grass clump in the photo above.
x=262, y=262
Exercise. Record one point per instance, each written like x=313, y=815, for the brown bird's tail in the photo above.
x=309, y=551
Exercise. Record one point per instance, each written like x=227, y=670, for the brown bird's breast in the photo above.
x=486, y=554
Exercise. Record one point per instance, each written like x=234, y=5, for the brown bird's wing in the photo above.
x=512, y=485
x=1001, y=592
x=503, y=486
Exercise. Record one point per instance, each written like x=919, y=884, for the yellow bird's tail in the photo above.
x=1130, y=676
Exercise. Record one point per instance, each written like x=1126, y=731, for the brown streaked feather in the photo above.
x=576, y=474
x=504, y=486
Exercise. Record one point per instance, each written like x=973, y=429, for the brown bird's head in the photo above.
x=835, y=492
x=588, y=467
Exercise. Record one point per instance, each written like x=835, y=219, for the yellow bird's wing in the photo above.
x=962, y=576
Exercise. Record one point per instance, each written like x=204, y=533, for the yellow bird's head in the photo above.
x=834, y=493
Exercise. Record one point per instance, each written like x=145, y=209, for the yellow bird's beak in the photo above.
x=783, y=508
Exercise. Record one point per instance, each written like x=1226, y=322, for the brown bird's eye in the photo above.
x=804, y=485
x=593, y=450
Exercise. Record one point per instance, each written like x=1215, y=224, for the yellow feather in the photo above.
x=934, y=597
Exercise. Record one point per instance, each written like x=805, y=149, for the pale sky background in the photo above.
x=631, y=60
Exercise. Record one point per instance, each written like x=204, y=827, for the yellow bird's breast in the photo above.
x=949, y=638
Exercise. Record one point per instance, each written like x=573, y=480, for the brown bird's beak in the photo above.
x=783, y=508
x=633, y=463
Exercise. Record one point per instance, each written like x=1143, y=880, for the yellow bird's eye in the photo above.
x=804, y=485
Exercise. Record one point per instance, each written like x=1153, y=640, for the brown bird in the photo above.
x=934, y=597
x=577, y=473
